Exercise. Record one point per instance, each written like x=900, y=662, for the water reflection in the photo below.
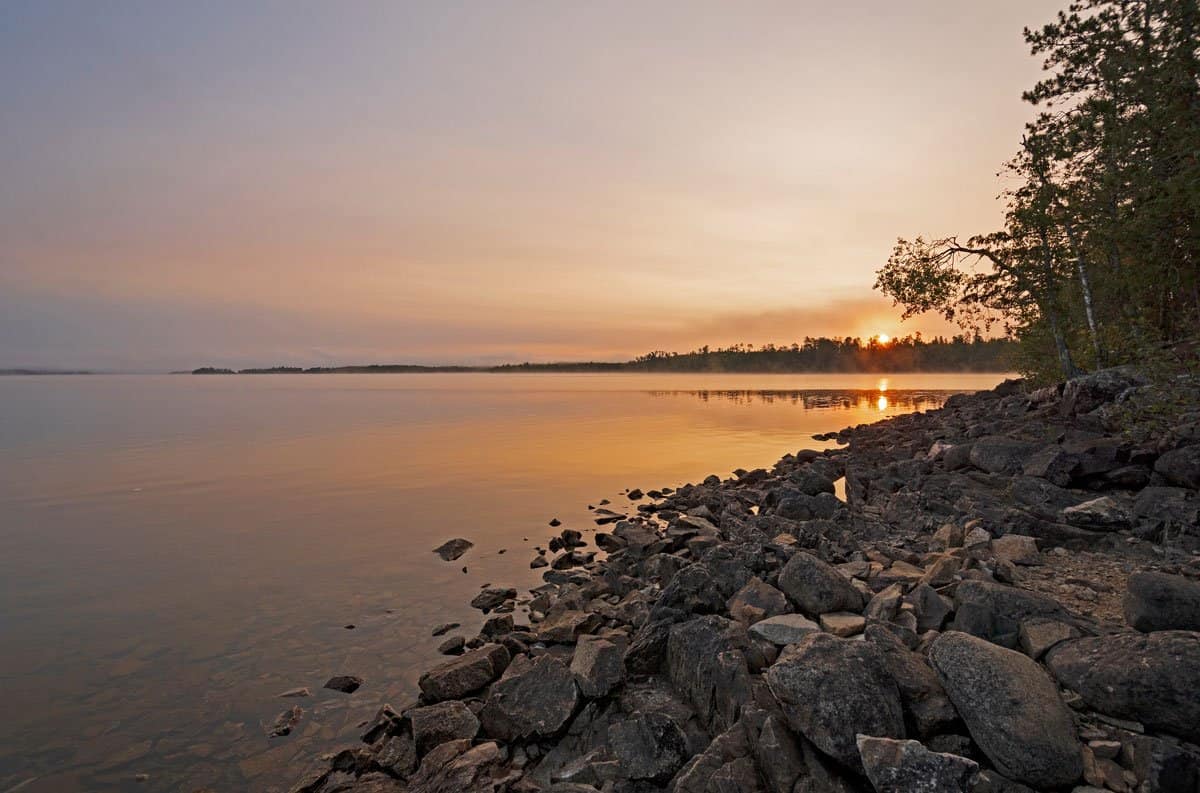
x=856, y=399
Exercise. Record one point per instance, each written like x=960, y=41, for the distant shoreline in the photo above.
x=570, y=369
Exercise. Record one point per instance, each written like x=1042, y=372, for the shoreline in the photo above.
x=757, y=633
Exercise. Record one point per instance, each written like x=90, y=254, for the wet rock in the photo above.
x=906, y=766
x=832, y=689
x=454, y=645
x=285, y=721
x=1162, y=602
x=998, y=454
x=297, y=692
x=491, y=597
x=538, y=561
x=347, y=684
x=445, y=628
x=453, y=549
x=461, y=676
x=598, y=666
x=534, y=699
x=816, y=587
x=648, y=746
x=784, y=629
x=1011, y=708
x=1152, y=678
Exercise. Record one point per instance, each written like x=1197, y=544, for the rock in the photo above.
x=598, y=666
x=456, y=767
x=1152, y=678
x=534, y=699
x=453, y=549
x=1017, y=548
x=1038, y=634
x=538, y=561
x=843, y=623
x=297, y=692
x=1051, y=463
x=454, y=645
x=1087, y=392
x=1181, y=467
x=977, y=538
x=884, y=605
x=947, y=536
x=1102, y=513
x=998, y=454
x=995, y=611
x=906, y=766
x=756, y=601
x=444, y=721
x=784, y=629
x=461, y=676
x=491, y=597
x=347, y=684
x=816, y=587
x=706, y=664
x=931, y=608
x=648, y=746
x=927, y=708
x=445, y=628
x=1011, y=708
x=566, y=626
x=831, y=690
x=1162, y=602
x=285, y=721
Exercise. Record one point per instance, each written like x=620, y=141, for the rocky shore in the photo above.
x=1008, y=599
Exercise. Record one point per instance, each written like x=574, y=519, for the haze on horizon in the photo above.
x=442, y=182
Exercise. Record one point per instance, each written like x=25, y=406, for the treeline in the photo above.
x=850, y=354
x=1098, y=262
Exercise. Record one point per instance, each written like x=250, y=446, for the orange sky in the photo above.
x=475, y=182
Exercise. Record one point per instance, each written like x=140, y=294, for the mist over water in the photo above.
x=177, y=551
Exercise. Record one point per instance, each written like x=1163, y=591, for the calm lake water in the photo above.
x=176, y=551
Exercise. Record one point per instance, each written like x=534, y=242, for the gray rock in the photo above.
x=1017, y=548
x=454, y=645
x=832, y=689
x=1153, y=678
x=784, y=629
x=453, y=549
x=444, y=721
x=1162, y=602
x=566, y=626
x=1011, y=708
x=1037, y=635
x=706, y=664
x=908, y=767
x=816, y=587
x=931, y=607
x=1052, y=464
x=1181, y=467
x=598, y=666
x=534, y=699
x=998, y=454
x=755, y=601
x=347, y=684
x=285, y=721
x=397, y=755
x=1087, y=392
x=926, y=707
x=1102, y=514
x=464, y=675
x=995, y=611
x=648, y=746
x=843, y=623
x=458, y=767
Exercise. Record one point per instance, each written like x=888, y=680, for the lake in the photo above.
x=177, y=551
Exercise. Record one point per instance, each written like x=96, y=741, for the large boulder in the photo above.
x=1162, y=602
x=995, y=611
x=927, y=709
x=534, y=699
x=1011, y=708
x=1087, y=392
x=998, y=454
x=1153, y=678
x=817, y=587
x=598, y=666
x=465, y=674
x=444, y=721
x=1181, y=467
x=833, y=689
x=705, y=663
x=907, y=766
x=455, y=767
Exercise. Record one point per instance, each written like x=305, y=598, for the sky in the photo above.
x=315, y=183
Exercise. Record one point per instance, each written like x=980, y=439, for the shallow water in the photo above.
x=176, y=551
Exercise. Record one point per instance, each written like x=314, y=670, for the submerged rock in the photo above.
x=453, y=549
x=347, y=684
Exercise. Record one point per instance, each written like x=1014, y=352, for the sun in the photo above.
x=883, y=338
